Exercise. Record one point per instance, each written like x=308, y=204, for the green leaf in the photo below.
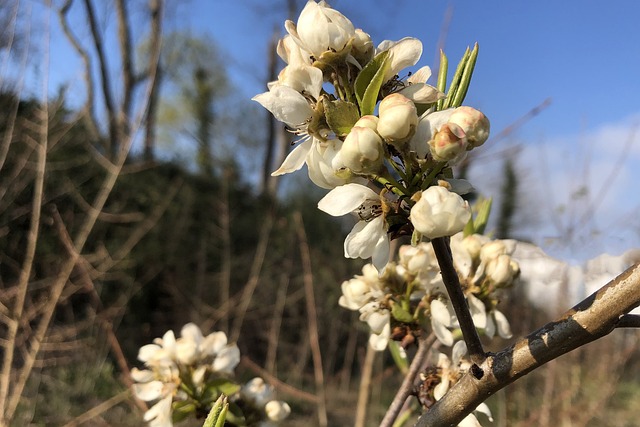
x=218, y=413
x=481, y=220
x=400, y=358
x=222, y=385
x=182, y=410
x=340, y=115
x=442, y=78
x=400, y=314
x=369, y=82
x=465, y=79
x=455, y=82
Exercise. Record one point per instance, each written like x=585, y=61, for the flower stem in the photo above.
x=460, y=306
x=392, y=185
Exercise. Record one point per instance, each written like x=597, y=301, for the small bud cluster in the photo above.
x=185, y=376
x=362, y=125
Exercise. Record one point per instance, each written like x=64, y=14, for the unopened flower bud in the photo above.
x=277, y=410
x=362, y=151
x=492, y=250
x=473, y=245
x=439, y=213
x=369, y=121
x=355, y=294
x=448, y=143
x=398, y=118
x=474, y=124
x=362, y=48
x=501, y=270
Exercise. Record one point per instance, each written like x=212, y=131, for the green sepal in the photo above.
x=218, y=413
x=340, y=115
x=369, y=82
x=400, y=358
x=400, y=314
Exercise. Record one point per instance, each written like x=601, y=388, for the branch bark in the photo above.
x=588, y=321
x=459, y=302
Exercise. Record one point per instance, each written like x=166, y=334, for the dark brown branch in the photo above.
x=629, y=321
x=459, y=302
x=89, y=107
x=591, y=319
x=114, y=134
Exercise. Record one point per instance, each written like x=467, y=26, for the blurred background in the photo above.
x=135, y=196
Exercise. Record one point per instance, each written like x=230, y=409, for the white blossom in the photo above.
x=439, y=213
x=368, y=238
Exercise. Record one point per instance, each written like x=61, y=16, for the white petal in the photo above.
x=363, y=239
x=159, y=415
x=469, y=421
x=484, y=409
x=441, y=389
x=380, y=341
x=147, y=352
x=404, y=53
x=345, y=198
x=148, y=391
x=502, y=324
x=192, y=332
x=286, y=104
x=459, y=350
x=490, y=328
x=377, y=321
x=478, y=311
x=443, y=334
x=380, y=256
x=213, y=343
x=295, y=159
x=421, y=76
x=142, y=376
x=227, y=359
x=440, y=312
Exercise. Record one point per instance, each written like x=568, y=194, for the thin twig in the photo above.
x=407, y=385
x=459, y=302
x=629, y=321
x=99, y=409
x=365, y=387
x=591, y=319
x=312, y=318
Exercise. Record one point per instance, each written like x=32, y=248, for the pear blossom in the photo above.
x=320, y=28
x=449, y=371
x=368, y=238
x=402, y=54
x=260, y=396
x=448, y=143
x=362, y=151
x=418, y=90
x=398, y=118
x=439, y=213
x=277, y=410
x=473, y=123
x=429, y=124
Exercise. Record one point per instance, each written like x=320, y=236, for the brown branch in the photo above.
x=25, y=273
x=407, y=387
x=365, y=387
x=114, y=134
x=589, y=320
x=99, y=409
x=89, y=107
x=629, y=321
x=312, y=319
x=459, y=302
x=280, y=386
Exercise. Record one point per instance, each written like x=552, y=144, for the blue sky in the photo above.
x=582, y=55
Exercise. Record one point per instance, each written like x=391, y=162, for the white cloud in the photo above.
x=578, y=192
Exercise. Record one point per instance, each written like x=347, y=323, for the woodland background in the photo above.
x=148, y=204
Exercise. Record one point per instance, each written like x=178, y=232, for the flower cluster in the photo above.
x=383, y=144
x=409, y=296
x=441, y=375
x=185, y=376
